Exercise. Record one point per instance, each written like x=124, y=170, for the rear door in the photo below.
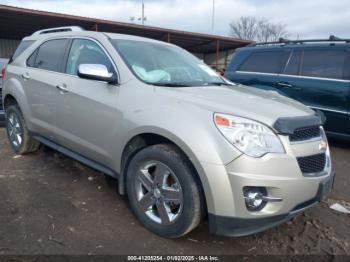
x=261, y=68
x=316, y=77
x=40, y=78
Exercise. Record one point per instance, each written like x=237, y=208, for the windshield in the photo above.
x=161, y=64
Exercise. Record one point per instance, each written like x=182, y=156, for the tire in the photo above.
x=17, y=132
x=166, y=196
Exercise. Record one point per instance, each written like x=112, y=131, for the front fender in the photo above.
x=190, y=127
x=193, y=130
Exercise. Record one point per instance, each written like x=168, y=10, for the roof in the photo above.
x=292, y=46
x=92, y=34
x=87, y=33
x=21, y=22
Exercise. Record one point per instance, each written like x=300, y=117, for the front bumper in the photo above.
x=279, y=174
x=231, y=226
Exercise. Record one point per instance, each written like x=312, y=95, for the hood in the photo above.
x=238, y=100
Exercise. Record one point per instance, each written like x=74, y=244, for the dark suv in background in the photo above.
x=314, y=72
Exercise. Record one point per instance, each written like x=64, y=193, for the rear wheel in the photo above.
x=17, y=132
x=164, y=192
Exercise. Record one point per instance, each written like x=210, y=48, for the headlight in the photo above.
x=250, y=137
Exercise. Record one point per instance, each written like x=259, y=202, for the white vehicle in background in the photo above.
x=3, y=63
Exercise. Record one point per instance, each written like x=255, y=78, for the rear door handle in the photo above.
x=25, y=76
x=284, y=84
x=63, y=88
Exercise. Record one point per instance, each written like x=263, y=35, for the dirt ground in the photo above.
x=50, y=204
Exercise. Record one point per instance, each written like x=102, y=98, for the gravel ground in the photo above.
x=51, y=204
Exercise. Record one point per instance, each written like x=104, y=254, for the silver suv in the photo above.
x=184, y=143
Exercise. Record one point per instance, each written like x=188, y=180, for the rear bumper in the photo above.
x=234, y=226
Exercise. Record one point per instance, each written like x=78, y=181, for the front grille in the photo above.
x=312, y=164
x=305, y=133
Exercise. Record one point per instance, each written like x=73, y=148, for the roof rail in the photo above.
x=283, y=41
x=58, y=29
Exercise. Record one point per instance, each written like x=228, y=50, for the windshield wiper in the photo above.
x=182, y=84
x=218, y=84
x=171, y=84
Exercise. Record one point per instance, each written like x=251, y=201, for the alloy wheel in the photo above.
x=14, y=130
x=159, y=193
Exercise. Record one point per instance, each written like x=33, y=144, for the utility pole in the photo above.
x=143, y=13
x=212, y=18
x=141, y=18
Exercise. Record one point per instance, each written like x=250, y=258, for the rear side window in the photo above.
x=21, y=48
x=324, y=63
x=265, y=62
x=49, y=56
x=292, y=67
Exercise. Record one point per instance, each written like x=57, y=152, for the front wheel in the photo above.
x=164, y=192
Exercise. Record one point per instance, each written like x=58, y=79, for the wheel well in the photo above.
x=9, y=101
x=140, y=142
x=136, y=144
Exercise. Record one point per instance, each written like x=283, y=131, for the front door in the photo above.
x=316, y=78
x=87, y=109
x=261, y=69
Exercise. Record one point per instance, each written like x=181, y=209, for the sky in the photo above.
x=304, y=18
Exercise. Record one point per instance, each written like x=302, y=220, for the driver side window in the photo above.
x=84, y=51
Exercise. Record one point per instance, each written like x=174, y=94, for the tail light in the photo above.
x=3, y=73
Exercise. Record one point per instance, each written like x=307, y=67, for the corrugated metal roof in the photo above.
x=20, y=22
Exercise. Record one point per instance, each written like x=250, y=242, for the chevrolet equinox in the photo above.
x=184, y=143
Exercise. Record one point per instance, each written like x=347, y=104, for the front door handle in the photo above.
x=63, y=88
x=284, y=84
x=25, y=76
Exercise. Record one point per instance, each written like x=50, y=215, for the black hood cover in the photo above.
x=287, y=125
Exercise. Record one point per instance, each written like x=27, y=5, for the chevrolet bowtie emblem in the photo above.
x=322, y=146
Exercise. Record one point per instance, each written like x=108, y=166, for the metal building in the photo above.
x=17, y=23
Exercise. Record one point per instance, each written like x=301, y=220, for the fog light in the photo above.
x=255, y=198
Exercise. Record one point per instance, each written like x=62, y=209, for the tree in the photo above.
x=245, y=28
x=251, y=28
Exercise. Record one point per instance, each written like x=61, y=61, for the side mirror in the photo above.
x=97, y=72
